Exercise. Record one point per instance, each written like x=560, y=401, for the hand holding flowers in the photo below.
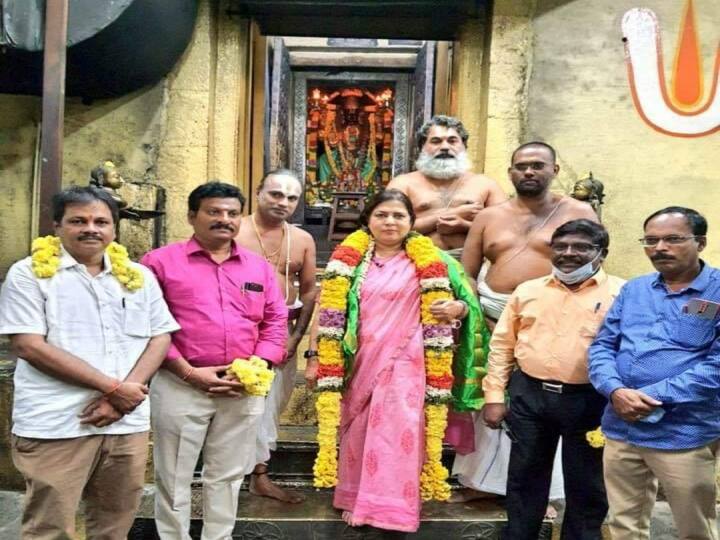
x=254, y=375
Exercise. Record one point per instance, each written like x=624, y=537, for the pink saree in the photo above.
x=382, y=441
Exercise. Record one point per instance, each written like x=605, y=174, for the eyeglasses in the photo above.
x=672, y=240
x=580, y=248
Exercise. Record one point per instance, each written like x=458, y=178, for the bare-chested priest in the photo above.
x=292, y=252
x=515, y=238
x=445, y=194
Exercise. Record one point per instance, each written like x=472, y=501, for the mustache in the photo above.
x=662, y=257
x=89, y=236
x=225, y=226
x=563, y=260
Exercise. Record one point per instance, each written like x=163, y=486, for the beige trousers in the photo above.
x=107, y=471
x=185, y=421
x=688, y=479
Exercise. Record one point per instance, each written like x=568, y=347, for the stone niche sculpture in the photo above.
x=107, y=176
x=590, y=190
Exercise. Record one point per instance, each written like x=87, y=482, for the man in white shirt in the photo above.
x=89, y=328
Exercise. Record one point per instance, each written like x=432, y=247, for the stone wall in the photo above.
x=558, y=73
x=189, y=127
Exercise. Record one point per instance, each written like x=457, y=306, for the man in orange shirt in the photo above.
x=544, y=332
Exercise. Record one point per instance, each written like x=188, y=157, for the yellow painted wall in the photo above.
x=557, y=73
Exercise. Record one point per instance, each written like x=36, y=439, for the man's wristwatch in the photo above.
x=310, y=354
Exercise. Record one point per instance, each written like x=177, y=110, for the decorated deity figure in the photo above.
x=349, y=124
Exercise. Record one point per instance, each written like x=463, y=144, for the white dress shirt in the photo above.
x=93, y=318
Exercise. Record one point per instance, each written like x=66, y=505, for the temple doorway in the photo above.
x=342, y=114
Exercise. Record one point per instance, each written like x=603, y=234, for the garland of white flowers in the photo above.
x=46, y=261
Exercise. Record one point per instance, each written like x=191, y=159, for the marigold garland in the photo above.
x=45, y=261
x=432, y=272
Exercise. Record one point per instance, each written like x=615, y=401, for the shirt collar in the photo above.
x=68, y=261
x=193, y=246
x=700, y=283
x=598, y=278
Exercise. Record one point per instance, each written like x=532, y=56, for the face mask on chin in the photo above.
x=578, y=275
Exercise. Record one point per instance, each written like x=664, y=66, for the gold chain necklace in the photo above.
x=278, y=253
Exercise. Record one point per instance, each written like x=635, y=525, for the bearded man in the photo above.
x=445, y=194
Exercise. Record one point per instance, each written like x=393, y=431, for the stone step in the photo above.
x=291, y=465
x=316, y=519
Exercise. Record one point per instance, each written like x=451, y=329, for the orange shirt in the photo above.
x=546, y=330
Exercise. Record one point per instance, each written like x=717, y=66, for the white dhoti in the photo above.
x=455, y=253
x=492, y=302
x=277, y=400
x=486, y=468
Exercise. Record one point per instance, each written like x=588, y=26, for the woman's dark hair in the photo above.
x=597, y=233
x=214, y=190
x=385, y=196
x=82, y=195
x=695, y=220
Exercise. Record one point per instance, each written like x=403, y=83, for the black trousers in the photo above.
x=538, y=418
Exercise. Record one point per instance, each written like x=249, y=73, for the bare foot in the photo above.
x=260, y=484
x=348, y=518
x=469, y=494
x=551, y=512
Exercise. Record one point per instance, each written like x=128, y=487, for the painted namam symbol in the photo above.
x=683, y=109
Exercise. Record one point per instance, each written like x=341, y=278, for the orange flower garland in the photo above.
x=438, y=346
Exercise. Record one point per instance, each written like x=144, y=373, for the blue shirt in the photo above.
x=649, y=343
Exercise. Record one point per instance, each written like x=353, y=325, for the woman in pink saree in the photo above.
x=382, y=439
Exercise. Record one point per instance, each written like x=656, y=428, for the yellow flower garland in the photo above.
x=45, y=261
x=355, y=251
x=433, y=478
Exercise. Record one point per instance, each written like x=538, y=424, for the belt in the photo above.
x=557, y=387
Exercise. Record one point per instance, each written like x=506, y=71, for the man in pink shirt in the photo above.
x=228, y=304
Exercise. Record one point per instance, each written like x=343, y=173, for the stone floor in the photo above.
x=11, y=504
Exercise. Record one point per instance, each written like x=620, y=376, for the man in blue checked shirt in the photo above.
x=657, y=360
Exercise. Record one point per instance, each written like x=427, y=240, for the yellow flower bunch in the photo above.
x=325, y=468
x=359, y=240
x=45, y=261
x=433, y=478
x=334, y=293
x=130, y=277
x=45, y=256
x=595, y=438
x=438, y=363
x=426, y=300
x=421, y=250
x=331, y=352
x=254, y=374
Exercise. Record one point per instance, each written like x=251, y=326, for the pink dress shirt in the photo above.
x=229, y=310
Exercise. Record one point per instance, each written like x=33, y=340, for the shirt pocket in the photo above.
x=136, y=318
x=591, y=322
x=693, y=331
x=252, y=304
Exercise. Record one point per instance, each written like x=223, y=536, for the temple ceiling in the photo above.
x=393, y=19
